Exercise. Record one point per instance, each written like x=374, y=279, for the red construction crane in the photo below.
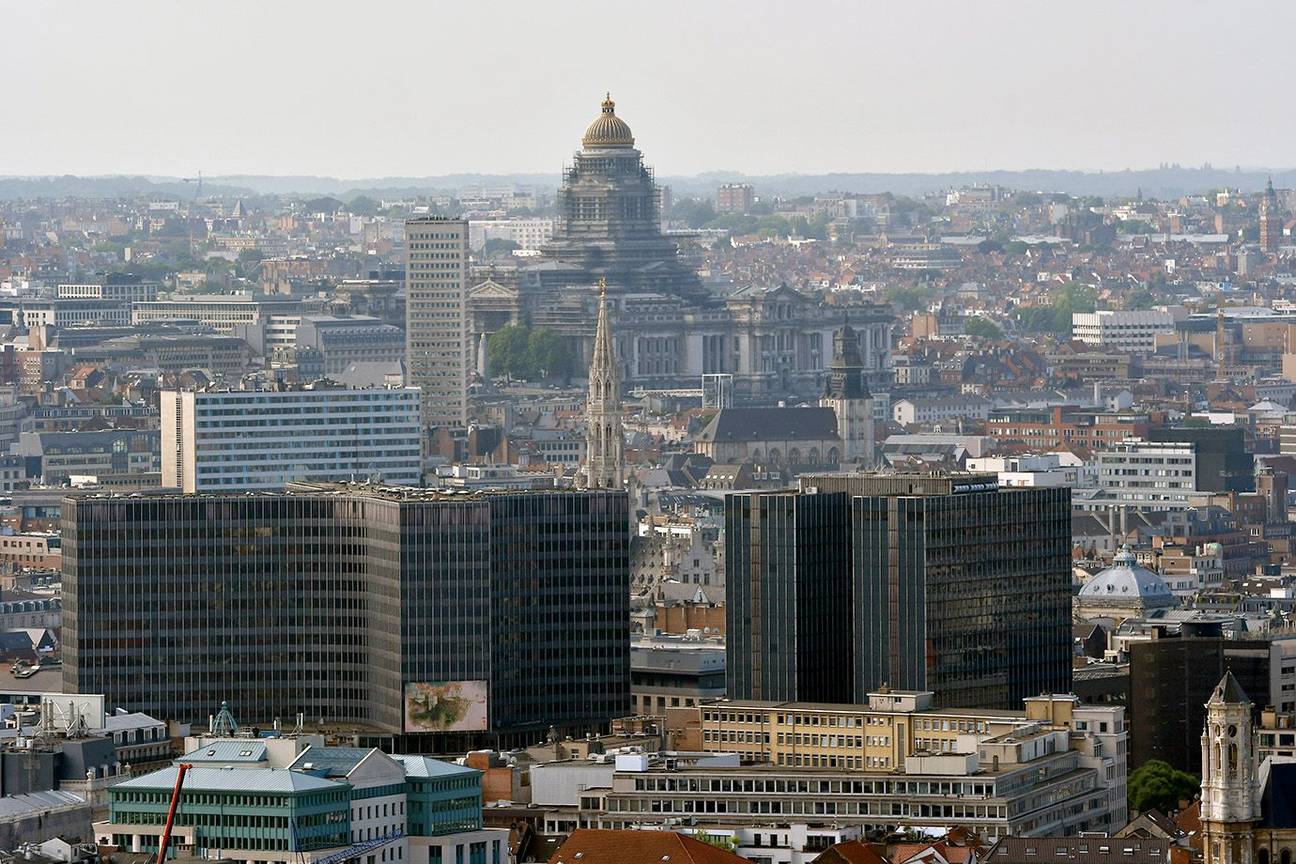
x=181, y=770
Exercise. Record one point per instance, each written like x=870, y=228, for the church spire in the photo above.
x=604, y=443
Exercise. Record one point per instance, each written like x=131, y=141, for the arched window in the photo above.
x=1285, y=856
x=1262, y=857
x=1233, y=757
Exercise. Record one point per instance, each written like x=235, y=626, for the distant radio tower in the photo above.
x=198, y=181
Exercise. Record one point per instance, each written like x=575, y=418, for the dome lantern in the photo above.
x=607, y=130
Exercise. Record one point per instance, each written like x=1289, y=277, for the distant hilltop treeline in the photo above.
x=1164, y=183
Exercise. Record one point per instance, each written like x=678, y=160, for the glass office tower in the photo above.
x=930, y=582
x=489, y=615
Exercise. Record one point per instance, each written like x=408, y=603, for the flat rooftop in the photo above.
x=313, y=490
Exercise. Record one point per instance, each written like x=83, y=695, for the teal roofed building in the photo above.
x=327, y=805
x=225, y=813
x=444, y=798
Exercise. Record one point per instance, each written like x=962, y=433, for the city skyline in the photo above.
x=925, y=87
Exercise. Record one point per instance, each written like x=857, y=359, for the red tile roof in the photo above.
x=851, y=852
x=600, y=846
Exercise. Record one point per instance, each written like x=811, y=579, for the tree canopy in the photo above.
x=1056, y=317
x=1140, y=298
x=983, y=327
x=1160, y=785
x=362, y=205
x=909, y=299
x=693, y=212
x=528, y=353
x=499, y=246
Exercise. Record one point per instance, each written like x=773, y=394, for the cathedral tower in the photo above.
x=848, y=395
x=1228, y=802
x=604, y=443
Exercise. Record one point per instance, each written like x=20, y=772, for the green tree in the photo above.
x=363, y=205
x=548, y=354
x=499, y=246
x=1069, y=298
x=1160, y=785
x=1039, y=319
x=1132, y=226
x=1141, y=298
x=248, y=261
x=908, y=299
x=693, y=212
x=741, y=223
x=983, y=327
x=506, y=351
x=527, y=353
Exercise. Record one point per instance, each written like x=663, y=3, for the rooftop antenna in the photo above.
x=45, y=728
x=77, y=727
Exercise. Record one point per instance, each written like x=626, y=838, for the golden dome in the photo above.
x=608, y=130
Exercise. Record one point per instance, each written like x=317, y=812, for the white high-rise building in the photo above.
x=436, y=332
x=528, y=234
x=1148, y=475
x=1127, y=330
x=224, y=440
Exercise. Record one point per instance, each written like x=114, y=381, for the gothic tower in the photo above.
x=604, y=444
x=848, y=395
x=1228, y=802
x=1270, y=220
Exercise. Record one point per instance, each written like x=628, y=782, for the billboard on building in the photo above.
x=448, y=706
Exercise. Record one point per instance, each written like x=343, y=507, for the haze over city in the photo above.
x=417, y=89
x=660, y=433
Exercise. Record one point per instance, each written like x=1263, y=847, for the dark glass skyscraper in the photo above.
x=493, y=615
x=942, y=583
x=788, y=628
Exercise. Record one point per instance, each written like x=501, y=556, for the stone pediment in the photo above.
x=490, y=289
x=769, y=294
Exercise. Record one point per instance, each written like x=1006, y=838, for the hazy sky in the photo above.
x=365, y=89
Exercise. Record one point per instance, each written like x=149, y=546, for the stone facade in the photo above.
x=1246, y=814
x=671, y=330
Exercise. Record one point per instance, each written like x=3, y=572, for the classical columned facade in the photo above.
x=671, y=330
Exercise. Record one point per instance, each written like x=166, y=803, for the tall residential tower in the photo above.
x=436, y=336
